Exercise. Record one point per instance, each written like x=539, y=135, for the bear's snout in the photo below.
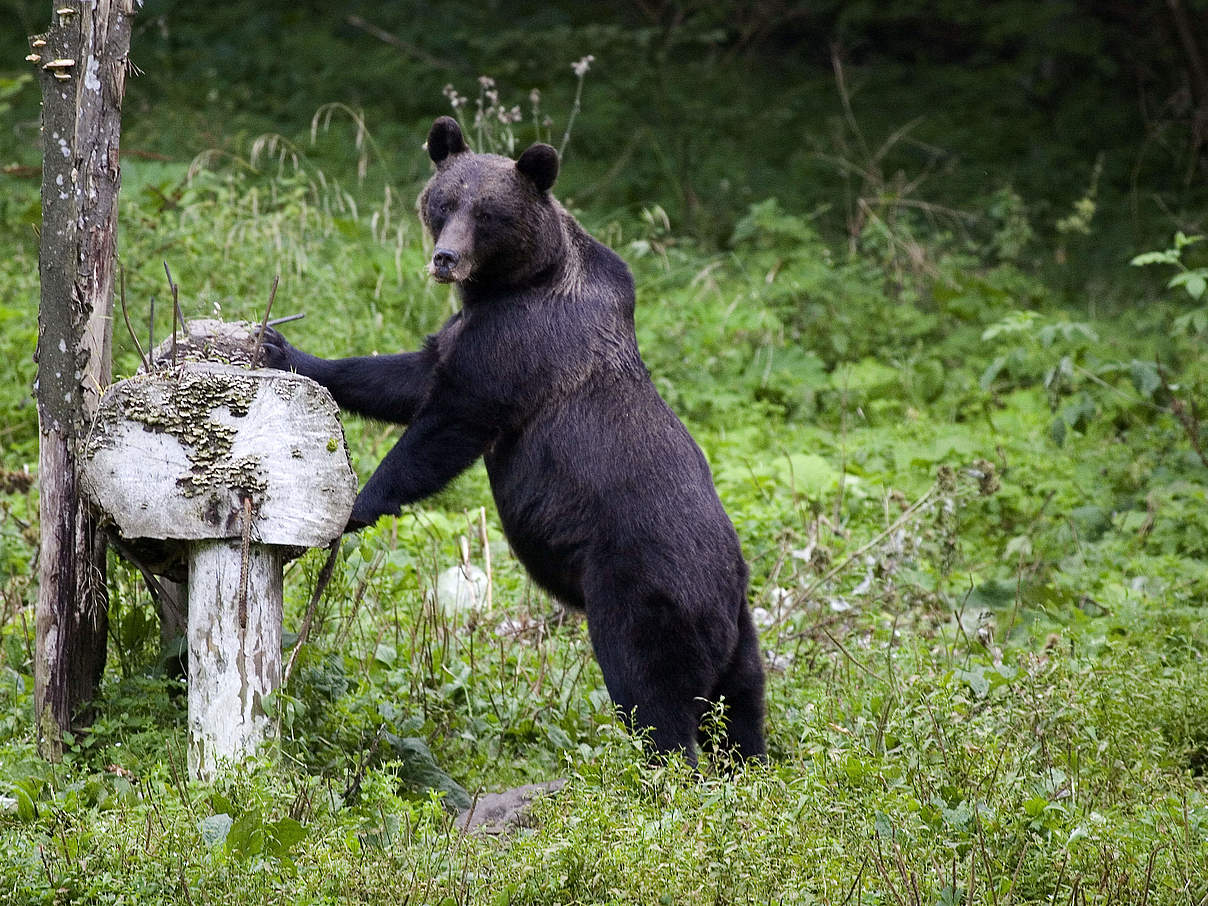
x=443, y=262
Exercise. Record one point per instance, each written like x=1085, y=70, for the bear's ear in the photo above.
x=444, y=139
x=540, y=164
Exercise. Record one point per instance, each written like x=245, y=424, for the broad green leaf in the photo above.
x=27, y=810
x=1193, y=281
x=883, y=826
x=246, y=836
x=809, y=473
x=556, y=735
x=993, y=594
x=1012, y=322
x=1167, y=257
x=992, y=371
x=1195, y=322
x=1057, y=431
x=976, y=680
x=1145, y=377
x=1017, y=547
x=215, y=828
x=420, y=770
x=283, y=834
x=1035, y=806
x=220, y=803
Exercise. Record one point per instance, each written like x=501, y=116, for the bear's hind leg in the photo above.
x=656, y=684
x=741, y=691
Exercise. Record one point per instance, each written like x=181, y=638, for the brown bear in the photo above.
x=601, y=491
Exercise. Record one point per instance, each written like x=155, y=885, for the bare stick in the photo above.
x=158, y=592
x=151, y=333
x=581, y=73
x=845, y=98
x=835, y=570
x=286, y=319
x=486, y=550
x=121, y=273
x=1187, y=416
x=847, y=654
x=177, y=316
x=244, y=558
x=395, y=41
x=272, y=294
x=320, y=587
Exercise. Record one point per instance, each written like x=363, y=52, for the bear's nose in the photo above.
x=445, y=259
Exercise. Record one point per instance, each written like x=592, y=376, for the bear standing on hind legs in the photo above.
x=603, y=494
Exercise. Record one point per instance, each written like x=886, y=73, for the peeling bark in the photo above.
x=82, y=64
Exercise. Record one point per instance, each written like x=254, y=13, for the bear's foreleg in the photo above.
x=389, y=388
x=439, y=445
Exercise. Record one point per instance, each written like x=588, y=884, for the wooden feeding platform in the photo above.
x=231, y=471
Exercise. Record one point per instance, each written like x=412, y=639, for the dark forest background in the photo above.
x=708, y=107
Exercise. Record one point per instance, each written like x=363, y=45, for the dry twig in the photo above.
x=272, y=294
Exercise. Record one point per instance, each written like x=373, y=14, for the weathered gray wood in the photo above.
x=208, y=340
x=71, y=617
x=501, y=813
x=174, y=455
x=199, y=340
x=81, y=61
x=240, y=469
x=234, y=652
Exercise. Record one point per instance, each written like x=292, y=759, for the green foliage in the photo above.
x=11, y=87
x=1193, y=280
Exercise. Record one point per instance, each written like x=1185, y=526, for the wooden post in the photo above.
x=234, y=650
x=238, y=470
x=81, y=62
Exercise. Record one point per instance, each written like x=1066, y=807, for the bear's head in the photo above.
x=492, y=219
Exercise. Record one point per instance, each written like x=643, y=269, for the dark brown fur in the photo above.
x=601, y=491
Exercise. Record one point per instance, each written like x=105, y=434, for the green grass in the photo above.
x=976, y=540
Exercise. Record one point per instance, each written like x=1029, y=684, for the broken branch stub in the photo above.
x=185, y=462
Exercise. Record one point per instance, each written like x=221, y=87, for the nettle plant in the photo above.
x=1194, y=280
x=1066, y=359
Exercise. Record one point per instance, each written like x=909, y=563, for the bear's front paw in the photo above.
x=275, y=351
x=365, y=512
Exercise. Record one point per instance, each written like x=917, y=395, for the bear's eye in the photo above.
x=493, y=215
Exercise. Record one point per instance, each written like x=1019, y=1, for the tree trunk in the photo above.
x=82, y=64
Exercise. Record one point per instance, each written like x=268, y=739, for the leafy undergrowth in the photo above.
x=975, y=517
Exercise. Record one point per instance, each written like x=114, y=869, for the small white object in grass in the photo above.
x=865, y=584
x=762, y=617
x=779, y=662
x=461, y=588
x=510, y=626
x=8, y=804
x=780, y=597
